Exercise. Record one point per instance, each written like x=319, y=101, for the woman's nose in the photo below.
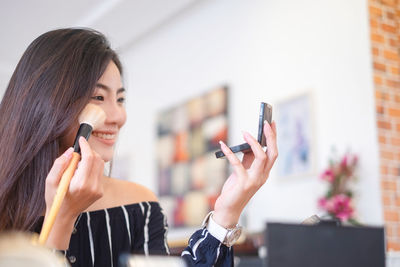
x=115, y=114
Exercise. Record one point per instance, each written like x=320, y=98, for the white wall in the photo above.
x=265, y=51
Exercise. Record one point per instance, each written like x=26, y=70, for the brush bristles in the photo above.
x=92, y=115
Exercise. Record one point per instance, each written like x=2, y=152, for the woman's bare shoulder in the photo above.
x=120, y=192
x=132, y=191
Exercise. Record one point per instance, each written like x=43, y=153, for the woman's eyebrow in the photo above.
x=105, y=87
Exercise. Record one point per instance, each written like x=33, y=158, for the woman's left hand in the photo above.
x=247, y=177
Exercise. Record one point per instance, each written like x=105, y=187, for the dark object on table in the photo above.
x=324, y=244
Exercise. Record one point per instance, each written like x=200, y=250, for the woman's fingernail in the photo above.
x=82, y=139
x=68, y=152
x=265, y=121
x=221, y=142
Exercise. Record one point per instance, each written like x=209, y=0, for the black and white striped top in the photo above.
x=101, y=236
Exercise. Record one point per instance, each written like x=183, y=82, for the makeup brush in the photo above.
x=91, y=117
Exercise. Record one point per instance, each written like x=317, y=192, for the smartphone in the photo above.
x=265, y=114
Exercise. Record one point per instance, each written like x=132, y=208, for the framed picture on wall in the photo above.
x=189, y=176
x=295, y=136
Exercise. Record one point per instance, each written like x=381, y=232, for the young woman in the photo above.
x=101, y=217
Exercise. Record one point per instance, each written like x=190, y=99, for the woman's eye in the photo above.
x=121, y=100
x=98, y=97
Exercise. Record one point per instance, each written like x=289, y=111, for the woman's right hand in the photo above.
x=85, y=188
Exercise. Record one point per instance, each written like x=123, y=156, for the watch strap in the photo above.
x=216, y=230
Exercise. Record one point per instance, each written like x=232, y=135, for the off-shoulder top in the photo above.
x=100, y=237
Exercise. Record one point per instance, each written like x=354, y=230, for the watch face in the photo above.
x=232, y=236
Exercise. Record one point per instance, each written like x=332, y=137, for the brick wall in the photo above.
x=385, y=49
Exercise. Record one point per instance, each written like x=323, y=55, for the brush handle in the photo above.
x=58, y=198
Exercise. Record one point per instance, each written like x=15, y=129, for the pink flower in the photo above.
x=328, y=175
x=326, y=204
x=347, y=164
x=337, y=201
x=322, y=202
x=338, y=205
x=341, y=207
x=344, y=161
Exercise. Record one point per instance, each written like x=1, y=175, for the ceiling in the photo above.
x=124, y=22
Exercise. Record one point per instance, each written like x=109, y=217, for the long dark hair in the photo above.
x=50, y=86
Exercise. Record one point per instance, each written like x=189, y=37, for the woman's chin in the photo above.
x=107, y=157
x=105, y=154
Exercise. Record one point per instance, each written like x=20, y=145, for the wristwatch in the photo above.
x=227, y=236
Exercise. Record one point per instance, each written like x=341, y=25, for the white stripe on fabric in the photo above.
x=109, y=235
x=166, y=232
x=141, y=207
x=196, y=245
x=185, y=253
x=128, y=228
x=146, y=230
x=218, y=251
x=90, y=237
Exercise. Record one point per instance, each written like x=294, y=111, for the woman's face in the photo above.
x=110, y=96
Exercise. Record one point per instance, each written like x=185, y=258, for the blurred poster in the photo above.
x=190, y=177
x=295, y=139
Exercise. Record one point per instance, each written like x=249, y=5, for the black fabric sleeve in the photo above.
x=150, y=230
x=205, y=250
x=157, y=229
